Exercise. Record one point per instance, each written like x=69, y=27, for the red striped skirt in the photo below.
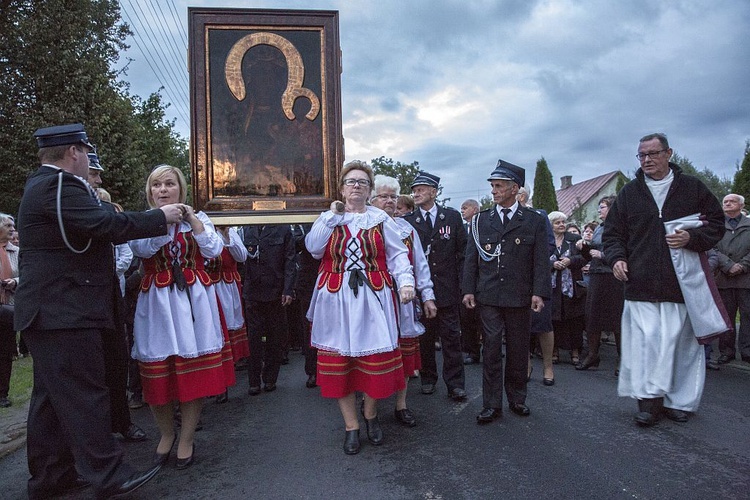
x=377, y=375
x=410, y=353
x=239, y=343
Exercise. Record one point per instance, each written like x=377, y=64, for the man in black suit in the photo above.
x=116, y=352
x=443, y=239
x=268, y=287
x=506, y=272
x=64, y=305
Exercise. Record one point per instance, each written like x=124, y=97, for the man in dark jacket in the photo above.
x=268, y=287
x=662, y=364
x=506, y=274
x=733, y=277
x=64, y=305
x=443, y=239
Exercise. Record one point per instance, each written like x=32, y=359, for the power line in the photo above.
x=167, y=63
x=177, y=60
x=155, y=69
x=176, y=19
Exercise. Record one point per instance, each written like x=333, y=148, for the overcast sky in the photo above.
x=458, y=84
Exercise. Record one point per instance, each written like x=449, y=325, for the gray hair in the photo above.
x=658, y=135
x=4, y=217
x=557, y=215
x=739, y=197
x=384, y=181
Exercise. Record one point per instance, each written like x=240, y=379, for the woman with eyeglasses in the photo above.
x=605, y=298
x=353, y=307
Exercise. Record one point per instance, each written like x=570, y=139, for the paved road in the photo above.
x=580, y=442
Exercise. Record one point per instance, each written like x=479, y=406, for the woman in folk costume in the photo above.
x=385, y=197
x=178, y=339
x=228, y=284
x=354, y=309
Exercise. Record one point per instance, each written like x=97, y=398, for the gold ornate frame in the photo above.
x=265, y=93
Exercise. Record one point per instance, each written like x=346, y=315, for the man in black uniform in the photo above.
x=268, y=286
x=64, y=306
x=116, y=352
x=443, y=239
x=506, y=272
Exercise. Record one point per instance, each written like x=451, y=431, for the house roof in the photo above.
x=581, y=193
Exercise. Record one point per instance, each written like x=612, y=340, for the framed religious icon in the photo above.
x=265, y=94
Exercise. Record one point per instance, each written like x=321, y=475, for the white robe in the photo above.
x=660, y=356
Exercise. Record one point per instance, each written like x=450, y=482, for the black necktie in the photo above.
x=428, y=220
x=506, y=217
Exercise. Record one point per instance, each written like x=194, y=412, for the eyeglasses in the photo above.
x=358, y=182
x=392, y=197
x=652, y=155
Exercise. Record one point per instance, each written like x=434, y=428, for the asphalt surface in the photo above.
x=579, y=442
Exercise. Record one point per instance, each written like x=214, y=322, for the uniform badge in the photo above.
x=518, y=242
x=487, y=247
x=419, y=220
x=442, y=216
x=445, y=232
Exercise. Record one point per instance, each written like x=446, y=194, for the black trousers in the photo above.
x=266, y=331
x=311, y=353
x=7, y=348
x=69, y=420
x=116, y=358
x=515, y=322
x=446, y=327
x=471, y=331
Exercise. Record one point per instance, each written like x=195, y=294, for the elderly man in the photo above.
x=471, y=328
x=732, y=277
x=443, y=239
x=662, y=364
x=506, y=273
x=64, y=305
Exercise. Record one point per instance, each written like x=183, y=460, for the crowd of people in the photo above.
x=371, y=292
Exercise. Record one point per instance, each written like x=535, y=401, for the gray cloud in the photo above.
x=456, y=85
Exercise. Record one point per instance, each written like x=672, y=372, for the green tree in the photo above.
x=741, y=184
x=544, y=188
x=56, y=76
x=404, y=173
x=486, y=202
x=621, y=181
x=579, y=214
x=719, y=186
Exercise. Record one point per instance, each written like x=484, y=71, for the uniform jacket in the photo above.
x=62, y=289
x=522, y=268
x=270, y=268
x=635, y=233
x=734, y=248
x=444, y=247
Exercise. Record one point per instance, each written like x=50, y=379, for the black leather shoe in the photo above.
x=79, y=483
x=351, y=442
x=270, y=387
x=487, y=415
x=676, y=415
x=254, y=390
x=468, y=360
x=5, y=403
x=135, y=434
x=428, y=388
x=131, y=484
x=589, y=362
x=374, y=431
x=184, y=463
x=724, y=359
x=645, y=419
x=548, y=381
x=161, y=459
x=406, y=417
x=457, y=394
x=222, y=398
x=520, y=409
x=312, y=382
x=649, y=411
